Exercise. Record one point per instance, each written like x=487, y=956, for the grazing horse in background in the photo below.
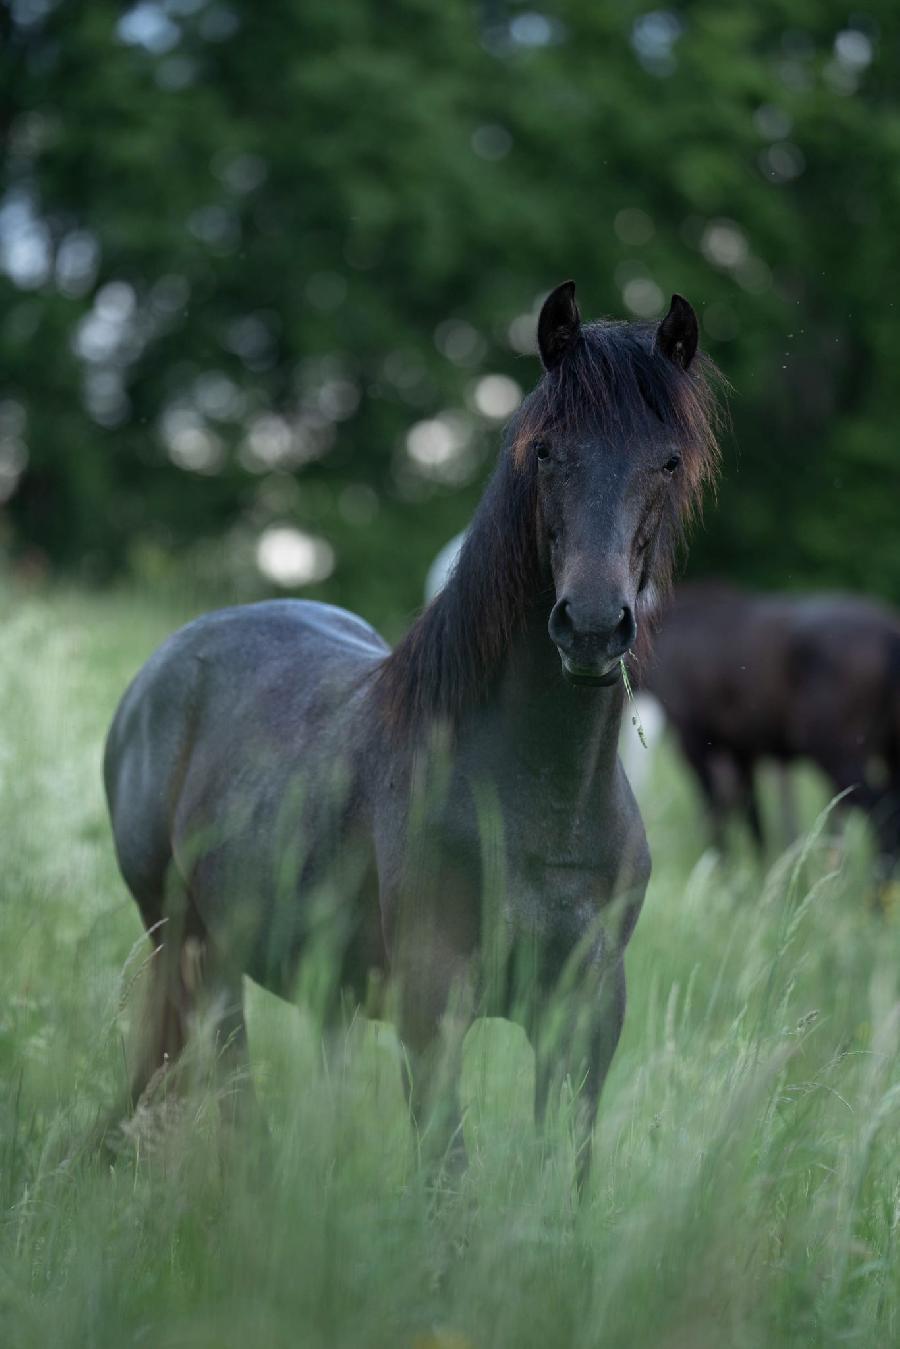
x=276, y=775
x=747, y=677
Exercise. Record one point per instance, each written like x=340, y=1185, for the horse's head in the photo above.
x=620, y=437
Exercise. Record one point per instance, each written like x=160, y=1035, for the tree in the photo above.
x=257, y=267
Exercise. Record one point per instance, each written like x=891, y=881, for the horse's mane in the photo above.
x=607, y=381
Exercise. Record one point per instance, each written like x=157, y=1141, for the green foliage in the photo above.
x=745, y=1180
x=288, y=210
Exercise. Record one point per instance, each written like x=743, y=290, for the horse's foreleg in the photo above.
x=435, y=1011
x=431, y=927
x=432, y=1080
x=574, y=1042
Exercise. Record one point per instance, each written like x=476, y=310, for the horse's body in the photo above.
x=277, y=777
x=748, y=677
x=251, y=735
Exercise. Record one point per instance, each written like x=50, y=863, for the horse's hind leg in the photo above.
x=787, y=805
x=221, y=1011
x=173, y=973
x=746, y=790
x=182, y=977
x=193, y=1027
x=697, y=753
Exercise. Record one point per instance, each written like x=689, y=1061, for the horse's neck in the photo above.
x=560, y=732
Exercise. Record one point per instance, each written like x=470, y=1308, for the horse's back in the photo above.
x=775, y=673
x=836, y=626
x=844, y=671
x=234, y=656
x=247, y=634
x=715, y=665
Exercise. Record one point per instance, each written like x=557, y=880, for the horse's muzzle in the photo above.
x=591, y=645
x=601, y=677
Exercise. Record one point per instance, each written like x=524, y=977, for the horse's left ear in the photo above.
x=559, y=324
x=678, y=333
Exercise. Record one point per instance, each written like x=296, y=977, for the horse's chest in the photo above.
x=551, y=836
x=560, y=881
x=553, y=869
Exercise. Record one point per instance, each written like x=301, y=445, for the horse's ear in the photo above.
x=558, y=325
x=678, y=333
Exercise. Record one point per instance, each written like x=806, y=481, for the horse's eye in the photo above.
x=542, y=449
x=672, y=463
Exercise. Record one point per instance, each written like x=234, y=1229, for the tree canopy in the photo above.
x=269, y=275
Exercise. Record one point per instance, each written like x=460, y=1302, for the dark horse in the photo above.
x=747, y=677
x=277, y=775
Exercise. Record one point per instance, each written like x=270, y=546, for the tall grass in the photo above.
x=746, y=1179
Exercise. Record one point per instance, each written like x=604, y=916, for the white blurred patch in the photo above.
x=290, y=557
x=643, y=297
x=522, y=334
x=496, y=396
x=441, y=567
x=724, y=244
x=637, y=759
x=459, y=342
x=440, y=447
x=190, y=442
x=25, y=243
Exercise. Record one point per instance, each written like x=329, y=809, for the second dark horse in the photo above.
x=277, y=776
x=745, y=677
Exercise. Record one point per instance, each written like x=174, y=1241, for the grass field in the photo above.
x=746, y=1183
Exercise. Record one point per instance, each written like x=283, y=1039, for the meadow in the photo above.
x=746, y=1181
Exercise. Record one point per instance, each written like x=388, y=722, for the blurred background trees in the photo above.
x=268, y=274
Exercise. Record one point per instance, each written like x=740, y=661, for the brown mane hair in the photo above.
x=608, y=380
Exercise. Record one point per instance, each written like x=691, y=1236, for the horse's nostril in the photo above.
x=626, y=629
x=562, y=629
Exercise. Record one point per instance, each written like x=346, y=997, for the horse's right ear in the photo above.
x=558, y=325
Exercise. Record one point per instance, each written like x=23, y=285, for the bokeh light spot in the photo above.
x=492, y=142
x=643, y=297
x=291, y=557
x=496, y=396
x=459, y=342
x=724, y=244
x=633, y=226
